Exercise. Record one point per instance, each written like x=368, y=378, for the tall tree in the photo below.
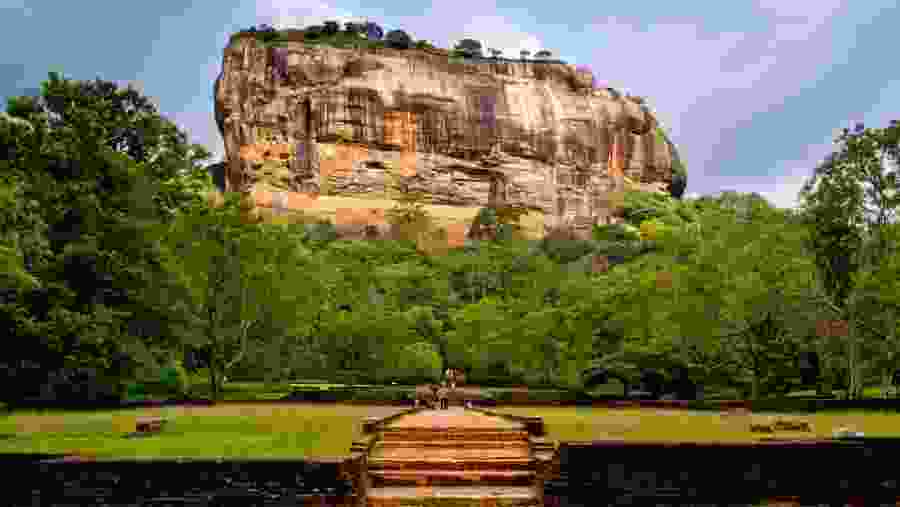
x=94, y=166
x=728, y=304
x=851, y=194
x=229, y=265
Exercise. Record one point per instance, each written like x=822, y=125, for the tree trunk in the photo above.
x=886, y=384
x=854, y=391
x=755, y=386
x=213, y=378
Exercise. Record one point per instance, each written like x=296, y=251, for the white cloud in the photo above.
x=782, y=186
x=283, y=14
x=497, y=32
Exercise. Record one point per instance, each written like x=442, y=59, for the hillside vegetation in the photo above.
x=119, y=271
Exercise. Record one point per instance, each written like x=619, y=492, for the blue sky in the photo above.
x=750, y=91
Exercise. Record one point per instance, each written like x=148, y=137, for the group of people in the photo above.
x=439, y=393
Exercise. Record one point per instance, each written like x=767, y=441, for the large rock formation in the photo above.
x=315, y=121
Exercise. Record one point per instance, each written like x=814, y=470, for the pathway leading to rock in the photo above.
x=453, y=457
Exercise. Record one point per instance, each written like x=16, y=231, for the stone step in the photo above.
x=451, y=477
x=431, y=434
x=452, y=496
x=457, y=453
x=435, y=463
x=428, y=445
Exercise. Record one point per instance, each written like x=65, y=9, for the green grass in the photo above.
x=590, y=423
x=224, y=431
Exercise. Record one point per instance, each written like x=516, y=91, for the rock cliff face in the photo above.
x=304, y=121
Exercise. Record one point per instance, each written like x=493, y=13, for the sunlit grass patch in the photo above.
x=588, y=423
x=222, y=431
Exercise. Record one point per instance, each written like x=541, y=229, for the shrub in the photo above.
x=175, y=380
x=321, y=231
x=679, y=180
x=135, y=391
x=417, y=361
x=313, y=32
x=564, y=251
x=616, y=232
x=267, y=34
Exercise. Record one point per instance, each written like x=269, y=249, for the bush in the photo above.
x=564, y=251
x=678, y=185
x=135, y=391
x=354, y=394
x=417, y=361
x=313, y=32
x=322, y=231
x=616, y=232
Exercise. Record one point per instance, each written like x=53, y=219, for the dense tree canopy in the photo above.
x=116, y=264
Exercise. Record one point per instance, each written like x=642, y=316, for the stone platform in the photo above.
x=453, y=457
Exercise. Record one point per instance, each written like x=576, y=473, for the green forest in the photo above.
x=118, y=269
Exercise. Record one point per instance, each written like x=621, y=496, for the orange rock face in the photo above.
x=259, y=152
x=360, y=216
x=294, y=201
x=407, y=163
x=456, y=235
x=400, y=129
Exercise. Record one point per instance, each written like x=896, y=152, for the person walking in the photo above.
x=451, y=377
x=435, y=388
x=443, y=396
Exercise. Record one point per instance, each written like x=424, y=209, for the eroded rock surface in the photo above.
x=343, y=121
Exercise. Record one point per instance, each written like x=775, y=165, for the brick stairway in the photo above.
x=453, y=457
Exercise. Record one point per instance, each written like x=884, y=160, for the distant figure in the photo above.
x=426, y=395
x=453, y=376
x=435, y=393
x=443, y=395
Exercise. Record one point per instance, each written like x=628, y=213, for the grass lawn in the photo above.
x=588, y=423
x=225, y=431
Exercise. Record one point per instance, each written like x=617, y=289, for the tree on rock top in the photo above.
x=398, y=39
x=679, y=179
x=332, y=27
x=373, y=31
x=469, y=47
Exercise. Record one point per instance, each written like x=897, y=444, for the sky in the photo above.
x=751, y=92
